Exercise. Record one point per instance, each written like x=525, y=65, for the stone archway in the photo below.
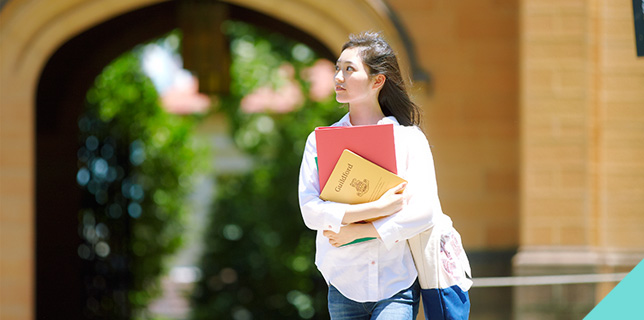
x=33, y=30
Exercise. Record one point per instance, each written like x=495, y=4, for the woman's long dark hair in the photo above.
x=379, y=58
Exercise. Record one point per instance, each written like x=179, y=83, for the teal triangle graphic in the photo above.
x=625, y=301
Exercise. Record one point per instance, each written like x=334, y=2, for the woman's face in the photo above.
x=352, y=82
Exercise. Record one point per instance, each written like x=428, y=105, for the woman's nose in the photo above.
x=338, y=76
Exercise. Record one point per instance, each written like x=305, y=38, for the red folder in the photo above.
x=372, y=142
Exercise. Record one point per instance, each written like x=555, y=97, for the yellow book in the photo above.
x=357, y=180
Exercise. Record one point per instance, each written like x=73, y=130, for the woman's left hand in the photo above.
x=349, y=233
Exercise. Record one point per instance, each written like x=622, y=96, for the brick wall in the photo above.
x=16, y=190
x=559, y=119
x=470, y=48
x=621, y=137
x=583, y=125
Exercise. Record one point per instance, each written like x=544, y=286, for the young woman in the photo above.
x=373, y=279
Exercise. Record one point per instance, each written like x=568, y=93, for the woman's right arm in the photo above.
x=317, y=214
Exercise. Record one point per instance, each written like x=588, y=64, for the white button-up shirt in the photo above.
x=376, y=269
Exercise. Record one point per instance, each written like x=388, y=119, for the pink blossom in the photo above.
x=282, y=100
x=320, y=75
x=184, y=98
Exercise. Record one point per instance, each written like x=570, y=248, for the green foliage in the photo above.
x=136, y=167
x=258, y=262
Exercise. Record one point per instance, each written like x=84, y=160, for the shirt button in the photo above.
x=396, y=241
x=373, y=262
x=330, y=227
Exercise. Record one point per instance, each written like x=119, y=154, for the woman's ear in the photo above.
x=379, y=81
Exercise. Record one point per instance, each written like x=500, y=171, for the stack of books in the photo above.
x=356, y=164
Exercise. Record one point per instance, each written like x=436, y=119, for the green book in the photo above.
x=358, y=241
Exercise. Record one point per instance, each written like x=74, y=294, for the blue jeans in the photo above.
x=402, y=306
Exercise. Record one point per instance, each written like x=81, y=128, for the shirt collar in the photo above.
x=346, y=121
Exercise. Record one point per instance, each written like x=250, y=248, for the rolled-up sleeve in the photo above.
x=421, y=194
x=317, y=213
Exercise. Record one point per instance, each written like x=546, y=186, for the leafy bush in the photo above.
x=136, y=164
x=258, y=261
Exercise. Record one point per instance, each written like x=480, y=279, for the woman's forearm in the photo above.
x=350, y=233
x=362, y=212
x=390, y=203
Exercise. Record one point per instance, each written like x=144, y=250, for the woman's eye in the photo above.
x=350, y=68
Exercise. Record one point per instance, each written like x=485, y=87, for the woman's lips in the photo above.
x=339, y=88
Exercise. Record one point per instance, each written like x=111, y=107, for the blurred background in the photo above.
x=150, y=150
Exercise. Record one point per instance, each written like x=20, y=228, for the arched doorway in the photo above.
x=58, y=105
x=45, y=57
